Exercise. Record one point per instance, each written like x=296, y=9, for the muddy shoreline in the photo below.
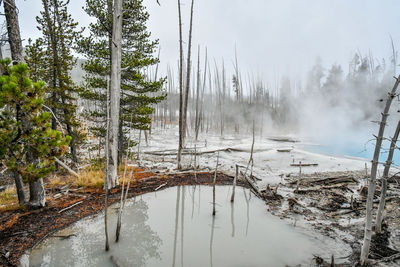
x=22, y=230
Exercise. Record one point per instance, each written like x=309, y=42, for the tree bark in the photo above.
x=37, y=194
x=372, y=183
x=115, y=92
x=14, y=36
x=20, y=188
x=381, y=207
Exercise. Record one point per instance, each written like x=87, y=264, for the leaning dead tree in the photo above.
x=115, y=92
x=381, y=207
x=372, y=182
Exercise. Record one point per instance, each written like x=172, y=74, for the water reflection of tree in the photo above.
x=146, y=242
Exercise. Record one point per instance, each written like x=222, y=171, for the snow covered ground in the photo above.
x=270, y=165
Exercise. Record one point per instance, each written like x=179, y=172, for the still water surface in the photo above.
x=174, y=227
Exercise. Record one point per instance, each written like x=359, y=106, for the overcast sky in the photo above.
x=273, y=37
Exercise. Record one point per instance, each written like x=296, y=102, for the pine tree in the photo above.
x=50, y=59
x=139, y=91
x=28, y=145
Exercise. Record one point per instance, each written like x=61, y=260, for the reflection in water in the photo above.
x=182, y=222
x=211, y=240
x=85, y=246
x=150, y=235
x=193, y=195
x=232, y=218
x=144, y=242
x=248, y=209
x=178, y=192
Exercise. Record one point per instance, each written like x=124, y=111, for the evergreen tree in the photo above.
x=139, y=91
x=28, y=145
x=50, y=59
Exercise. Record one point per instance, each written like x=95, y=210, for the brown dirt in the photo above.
x=20, y=230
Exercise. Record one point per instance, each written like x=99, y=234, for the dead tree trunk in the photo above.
x=20, y=188
x=197, y=116
x=180, y=88
x=188, y=69
x=37, y=196
x=381, y=207
x=14, y=36
x=372, y=184
x=115, y=91
x=251, y=152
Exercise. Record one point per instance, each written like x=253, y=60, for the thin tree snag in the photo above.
x=215, y=180
x=180, y=146
x=372, y=184
x=251, y=153
x=381, y=207
x=188, y=71
x=234, y=183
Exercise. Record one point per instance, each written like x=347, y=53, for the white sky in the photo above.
x=273, y=37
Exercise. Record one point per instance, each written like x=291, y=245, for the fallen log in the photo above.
x=284, y=150
x=304, y=164
x=160, y=186
x=62, y=164
x=70, y=207
x=387, y=259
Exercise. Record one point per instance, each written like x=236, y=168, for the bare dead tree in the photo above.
x=372, y=183
x=381, y=207
x=188, y=69
x=197, y=115
x=115, y=91
x=180, y=88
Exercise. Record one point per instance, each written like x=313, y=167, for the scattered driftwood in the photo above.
x=253, y=186
x=304, y=164
x=197, y=153
x=327, y=181
x=160, y=186
x=252, y=177
x=70, y=207
x=387, y=259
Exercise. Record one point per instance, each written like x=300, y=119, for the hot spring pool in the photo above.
x=174, y=227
